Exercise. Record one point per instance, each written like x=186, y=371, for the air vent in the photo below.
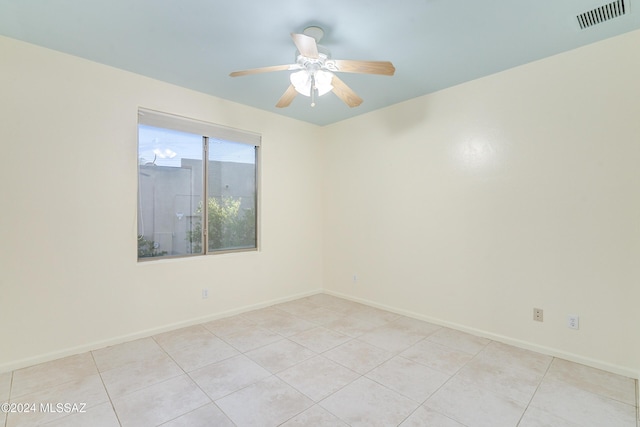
x=602, y=13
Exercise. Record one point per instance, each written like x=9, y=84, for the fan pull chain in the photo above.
x=313, y=90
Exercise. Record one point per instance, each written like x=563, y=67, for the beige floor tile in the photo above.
x=515, y=357
x=376, y=316
x=475, y=407
x=283, y=323
x=458, y=340
x=582, y=407
x=126, y=353
x=392, y=338
x=223, y=378
x=348, y=307
x=345, y=307
x=269, y=402
x=358, y=356
x=320, y=339
x=419, y=326
x=367, y=403
x=411, y=379
x=351, y=326
x=102, y=415
x=438, y=357
x=252, y=338
x=280, y=355
x=159, y=403
x=318, y=377
x=87, y=392
x=296, y=307
x=510, y=380
x=428, y=417
x=202, y=350
x=314, y=417
x=229, y=325
x=5, y=386
x=262, y=315
x=323, y=300
x=183, y=337
x=206, y=416
x=50, y=374
x=287, y=324
x=134, y=376
x=534, y=417
x=594, y=380
x=320, y=316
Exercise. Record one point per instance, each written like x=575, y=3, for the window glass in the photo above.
x=174, y=216
x=231, y=194
x=170, y=191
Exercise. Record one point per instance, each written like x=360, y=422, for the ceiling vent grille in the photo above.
x=602, y=13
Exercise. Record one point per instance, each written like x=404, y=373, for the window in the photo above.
x=187, y=206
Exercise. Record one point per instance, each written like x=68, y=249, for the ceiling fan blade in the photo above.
x=264, y=70
x=287, y=97
x=364, y=67
x=306, y=45
x=345, y=93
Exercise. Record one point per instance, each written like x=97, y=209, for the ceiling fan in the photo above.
x=314, y=71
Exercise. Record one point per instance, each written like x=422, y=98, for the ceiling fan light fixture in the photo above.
x=323, y=81
x=303, y=82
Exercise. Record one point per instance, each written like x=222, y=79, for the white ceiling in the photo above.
x=434, y=44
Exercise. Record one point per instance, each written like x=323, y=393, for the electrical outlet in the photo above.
x=205, y=293
x=573, y=322
x=537, y=314
x=355, y=278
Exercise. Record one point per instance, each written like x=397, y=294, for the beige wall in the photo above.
x=473, y=205
x=69, y=277
x=467, y=207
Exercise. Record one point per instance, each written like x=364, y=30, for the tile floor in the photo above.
x=318, y=361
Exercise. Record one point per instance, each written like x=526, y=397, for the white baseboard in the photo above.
x=95, y=345
x=594, y=363
x=638, y=402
